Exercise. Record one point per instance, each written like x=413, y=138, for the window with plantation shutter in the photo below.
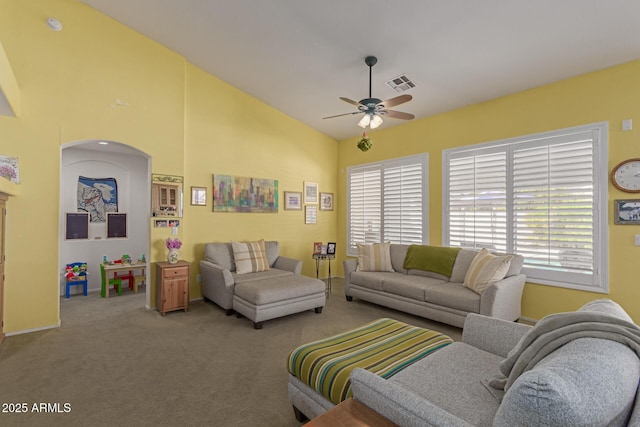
x=387, y=202
x=541, y=196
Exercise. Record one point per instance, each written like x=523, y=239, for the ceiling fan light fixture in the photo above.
x=376, y=121
x=364, y=121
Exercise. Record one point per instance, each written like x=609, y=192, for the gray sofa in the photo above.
x=571, y=369
x=262, y=295
x=431, y=295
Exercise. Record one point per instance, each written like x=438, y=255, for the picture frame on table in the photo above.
x=311, y=192
x=317, y=248
x=627, y=212
x=331, y=248
x=293, y=200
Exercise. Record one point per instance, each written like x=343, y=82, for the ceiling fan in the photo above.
x=374, y=108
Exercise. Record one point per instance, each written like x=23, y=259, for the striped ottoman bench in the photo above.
x=319, y=371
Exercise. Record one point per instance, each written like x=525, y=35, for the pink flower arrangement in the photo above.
x=173, y=243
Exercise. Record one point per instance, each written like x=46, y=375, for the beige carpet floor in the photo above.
x=113, y=363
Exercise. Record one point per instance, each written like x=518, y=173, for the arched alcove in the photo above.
x=116, y=168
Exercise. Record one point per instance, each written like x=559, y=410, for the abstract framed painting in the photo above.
x=244, y=194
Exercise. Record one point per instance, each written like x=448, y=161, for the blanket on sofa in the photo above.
x=431, y=258
x=384, y=347
x=555, y=330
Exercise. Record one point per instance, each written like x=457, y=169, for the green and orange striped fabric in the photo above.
x=383, y=347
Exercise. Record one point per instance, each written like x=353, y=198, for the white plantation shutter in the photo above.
x=387, y=202
x=478, y=202
x=542, y=196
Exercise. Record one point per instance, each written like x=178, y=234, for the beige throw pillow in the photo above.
x=485, y=269
x=375, y=257
x=250, y=257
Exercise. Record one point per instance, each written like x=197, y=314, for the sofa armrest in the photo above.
x=503, y=298
x=288, y=264
x=493, y=335
x=398, y=404
x=349, y=265
x=217, y=284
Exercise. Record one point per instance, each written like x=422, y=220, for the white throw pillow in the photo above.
x=374, y=257
x=486, y=269
x=250, y=257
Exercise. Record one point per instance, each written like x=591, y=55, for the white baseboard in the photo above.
x=28, y=331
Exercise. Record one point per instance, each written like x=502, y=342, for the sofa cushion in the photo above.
x=374, y=257
x=452, y=378
x=250, y=257
x=398, y=254
x=460, y=267
x=588, y=381
x=261, y=275
x=453, y=295
x=431, y=258
x=409, y=286
x=370, y=279
x=272, y=250
x=220, y=254
x=486, y=269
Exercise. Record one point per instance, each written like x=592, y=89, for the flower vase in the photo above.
x=173, y=256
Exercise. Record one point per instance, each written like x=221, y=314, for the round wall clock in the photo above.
x=626, y=176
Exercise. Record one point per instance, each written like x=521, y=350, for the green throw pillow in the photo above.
x=436, y=259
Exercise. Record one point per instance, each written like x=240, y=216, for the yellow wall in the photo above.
x=608, y=95
x=97, y=79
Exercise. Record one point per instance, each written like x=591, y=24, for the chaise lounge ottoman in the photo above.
x=267, y=299
x=320, y=371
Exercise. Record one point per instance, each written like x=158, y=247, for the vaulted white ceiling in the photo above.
x=300, y=56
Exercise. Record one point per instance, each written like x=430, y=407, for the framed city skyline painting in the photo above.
x=244, y=194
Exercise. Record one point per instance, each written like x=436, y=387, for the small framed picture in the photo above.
x=310, y=214
x=331, y=248
x=317, y=248
x=293, y=200
x=627, y=211
x=323, y=250
x=311, y=192
x=326, y=201
x=199, y=196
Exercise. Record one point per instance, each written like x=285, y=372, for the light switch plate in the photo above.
x=637, y=240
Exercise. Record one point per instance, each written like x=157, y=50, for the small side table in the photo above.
x=172, y=286
x=350, y=413
x=319, y=258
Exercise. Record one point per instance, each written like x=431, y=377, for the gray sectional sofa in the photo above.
x=435, y=296
x=571, y=369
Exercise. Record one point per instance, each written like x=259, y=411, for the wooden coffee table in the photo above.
x=350, y=413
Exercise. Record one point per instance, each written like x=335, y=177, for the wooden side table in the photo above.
x=172, y=286
x=350, y=413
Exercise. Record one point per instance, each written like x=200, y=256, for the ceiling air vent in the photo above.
x=401, y=83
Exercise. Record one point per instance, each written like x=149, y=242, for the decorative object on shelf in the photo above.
x=364, y=143
x=626, y=176
x=627, y=212
x=166, y=195
x=244, y=194
x=199, y=196
x=293, y=200
x=174, y=246
x=326, y=201
x=311, y=192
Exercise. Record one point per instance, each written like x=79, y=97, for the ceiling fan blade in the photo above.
x=399, y=115
x=395, y=101
x=345, y=114
x=350, y=101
